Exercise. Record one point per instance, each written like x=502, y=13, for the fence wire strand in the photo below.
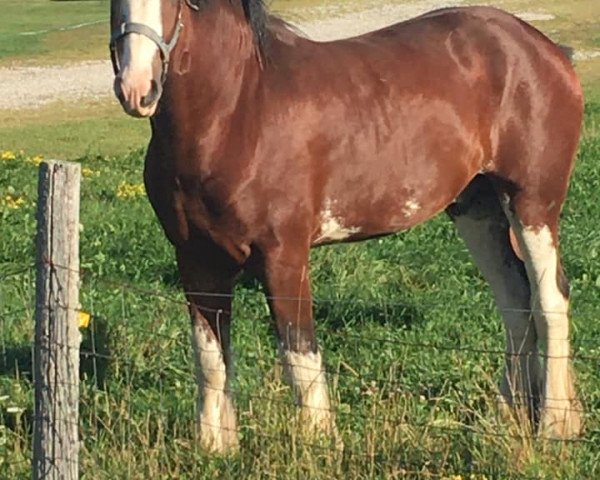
x=383, y=384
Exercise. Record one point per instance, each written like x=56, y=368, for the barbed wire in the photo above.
x=16, y=272
x=389, y=383
x=124, y=285
x=382, y=383
x=121, y=284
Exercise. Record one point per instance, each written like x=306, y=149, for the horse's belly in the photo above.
x=386, y=201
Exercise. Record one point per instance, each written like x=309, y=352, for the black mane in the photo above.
x=257, y=16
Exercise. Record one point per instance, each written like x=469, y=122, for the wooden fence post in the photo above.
x=57, y=337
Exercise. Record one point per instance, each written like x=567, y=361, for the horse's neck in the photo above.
x=214, y=63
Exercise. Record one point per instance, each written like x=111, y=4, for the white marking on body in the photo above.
x=138, y=50
x=216, y=415
x=559, y=416
x=331, y=227
x=410, y=208
x=307, y=378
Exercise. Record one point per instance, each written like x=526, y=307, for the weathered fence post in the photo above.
x=57, y=337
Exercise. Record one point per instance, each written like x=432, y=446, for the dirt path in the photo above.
x=31, y=87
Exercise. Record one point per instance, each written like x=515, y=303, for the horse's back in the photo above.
x=408, y=114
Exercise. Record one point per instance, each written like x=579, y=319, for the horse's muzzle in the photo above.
x=138, y=98
x=153, y=96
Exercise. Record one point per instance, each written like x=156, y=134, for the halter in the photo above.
x=165, y=48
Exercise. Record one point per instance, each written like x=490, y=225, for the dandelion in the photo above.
x=7, y=155
x=88, y=172
x=84, y=319
x=130, y=190
x=12, y=202
x=36, y=160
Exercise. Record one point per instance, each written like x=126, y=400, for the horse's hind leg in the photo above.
x=208, y=279
x=534, y=219
x=481, y=222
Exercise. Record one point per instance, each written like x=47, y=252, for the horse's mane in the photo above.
x=265, y=26
x=257, y=16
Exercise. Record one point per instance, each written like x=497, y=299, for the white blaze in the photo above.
x=138, y=50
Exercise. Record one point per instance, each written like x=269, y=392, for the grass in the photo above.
x=33, y=31
x=65, y=131
x=405, y=408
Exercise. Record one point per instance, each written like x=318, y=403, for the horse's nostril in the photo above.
x=153, y=95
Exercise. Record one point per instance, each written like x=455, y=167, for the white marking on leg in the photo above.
x=550, y=307
x=331, y=227
x=139, y=51
x=216, y=415
x=307, y=378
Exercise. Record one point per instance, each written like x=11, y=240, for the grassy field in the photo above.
x=410, y=335
x=44, y=31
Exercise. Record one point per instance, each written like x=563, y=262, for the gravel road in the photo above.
x=31, y=87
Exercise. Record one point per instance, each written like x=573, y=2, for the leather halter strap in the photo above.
x=165, y=48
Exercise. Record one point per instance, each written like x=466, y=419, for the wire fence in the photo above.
x=462, y=423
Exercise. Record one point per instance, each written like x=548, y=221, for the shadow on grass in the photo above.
x=336, y=314
x=17, y=360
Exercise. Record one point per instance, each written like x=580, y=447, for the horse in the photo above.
x=265, y=144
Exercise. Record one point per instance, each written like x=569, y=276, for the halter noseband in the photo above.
x=165, y=48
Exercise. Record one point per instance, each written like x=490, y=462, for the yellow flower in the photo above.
x=84, y=319
x=12, y=202
x=7, y=155
x=36, y=160
x=130, y=190
x=88, y=172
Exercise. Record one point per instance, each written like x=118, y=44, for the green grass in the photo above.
x=405, y=408
x=64, y=131
x=382, y=307
x=32, y=30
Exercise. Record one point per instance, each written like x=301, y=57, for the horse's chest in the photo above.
x=189, y=207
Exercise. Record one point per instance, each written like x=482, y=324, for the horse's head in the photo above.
x=143, y=33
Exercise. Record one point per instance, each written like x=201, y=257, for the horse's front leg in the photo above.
x=208, y=282
x=287, y=284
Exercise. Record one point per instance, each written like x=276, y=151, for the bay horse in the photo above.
x=265, y=144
